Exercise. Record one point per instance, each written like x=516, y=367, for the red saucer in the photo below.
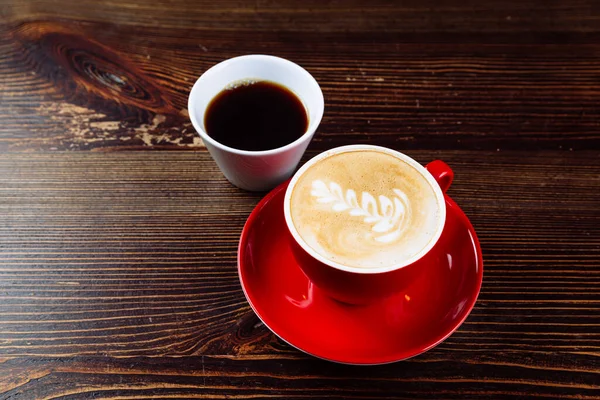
x=399, y=327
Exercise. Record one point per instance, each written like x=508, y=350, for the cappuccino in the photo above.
x=365, y=207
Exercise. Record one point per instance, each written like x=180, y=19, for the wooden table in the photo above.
x=118, y=234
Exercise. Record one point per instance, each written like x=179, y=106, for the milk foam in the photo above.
x=365, y=209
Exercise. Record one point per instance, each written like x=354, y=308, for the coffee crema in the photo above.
x=365, y=209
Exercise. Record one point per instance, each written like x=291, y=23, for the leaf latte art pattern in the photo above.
x=387, y=216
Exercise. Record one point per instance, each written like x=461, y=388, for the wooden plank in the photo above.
x=84, y=86
x=471, y=16
x=436, y=375
x=134, y=253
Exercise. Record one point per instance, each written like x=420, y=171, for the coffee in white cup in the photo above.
x=262, y=169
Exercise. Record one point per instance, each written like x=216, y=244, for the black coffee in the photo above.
x=256, y=116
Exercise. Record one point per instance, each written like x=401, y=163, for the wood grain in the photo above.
x=326, y=16
x=68, y=85
x=497, y=375
x=118, y=265
x=133, y=254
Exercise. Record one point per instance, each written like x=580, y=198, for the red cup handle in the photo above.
x=442, y=173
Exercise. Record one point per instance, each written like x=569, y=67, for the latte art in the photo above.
x=365, y=208
x=387, y=218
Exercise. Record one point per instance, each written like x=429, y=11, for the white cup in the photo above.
x=256, y=170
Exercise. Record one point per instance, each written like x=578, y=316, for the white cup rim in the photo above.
x=313, y=122
x=358, y=270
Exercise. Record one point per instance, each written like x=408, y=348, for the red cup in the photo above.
x=354, y=285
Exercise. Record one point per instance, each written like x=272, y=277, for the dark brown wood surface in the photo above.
x=118, y=263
